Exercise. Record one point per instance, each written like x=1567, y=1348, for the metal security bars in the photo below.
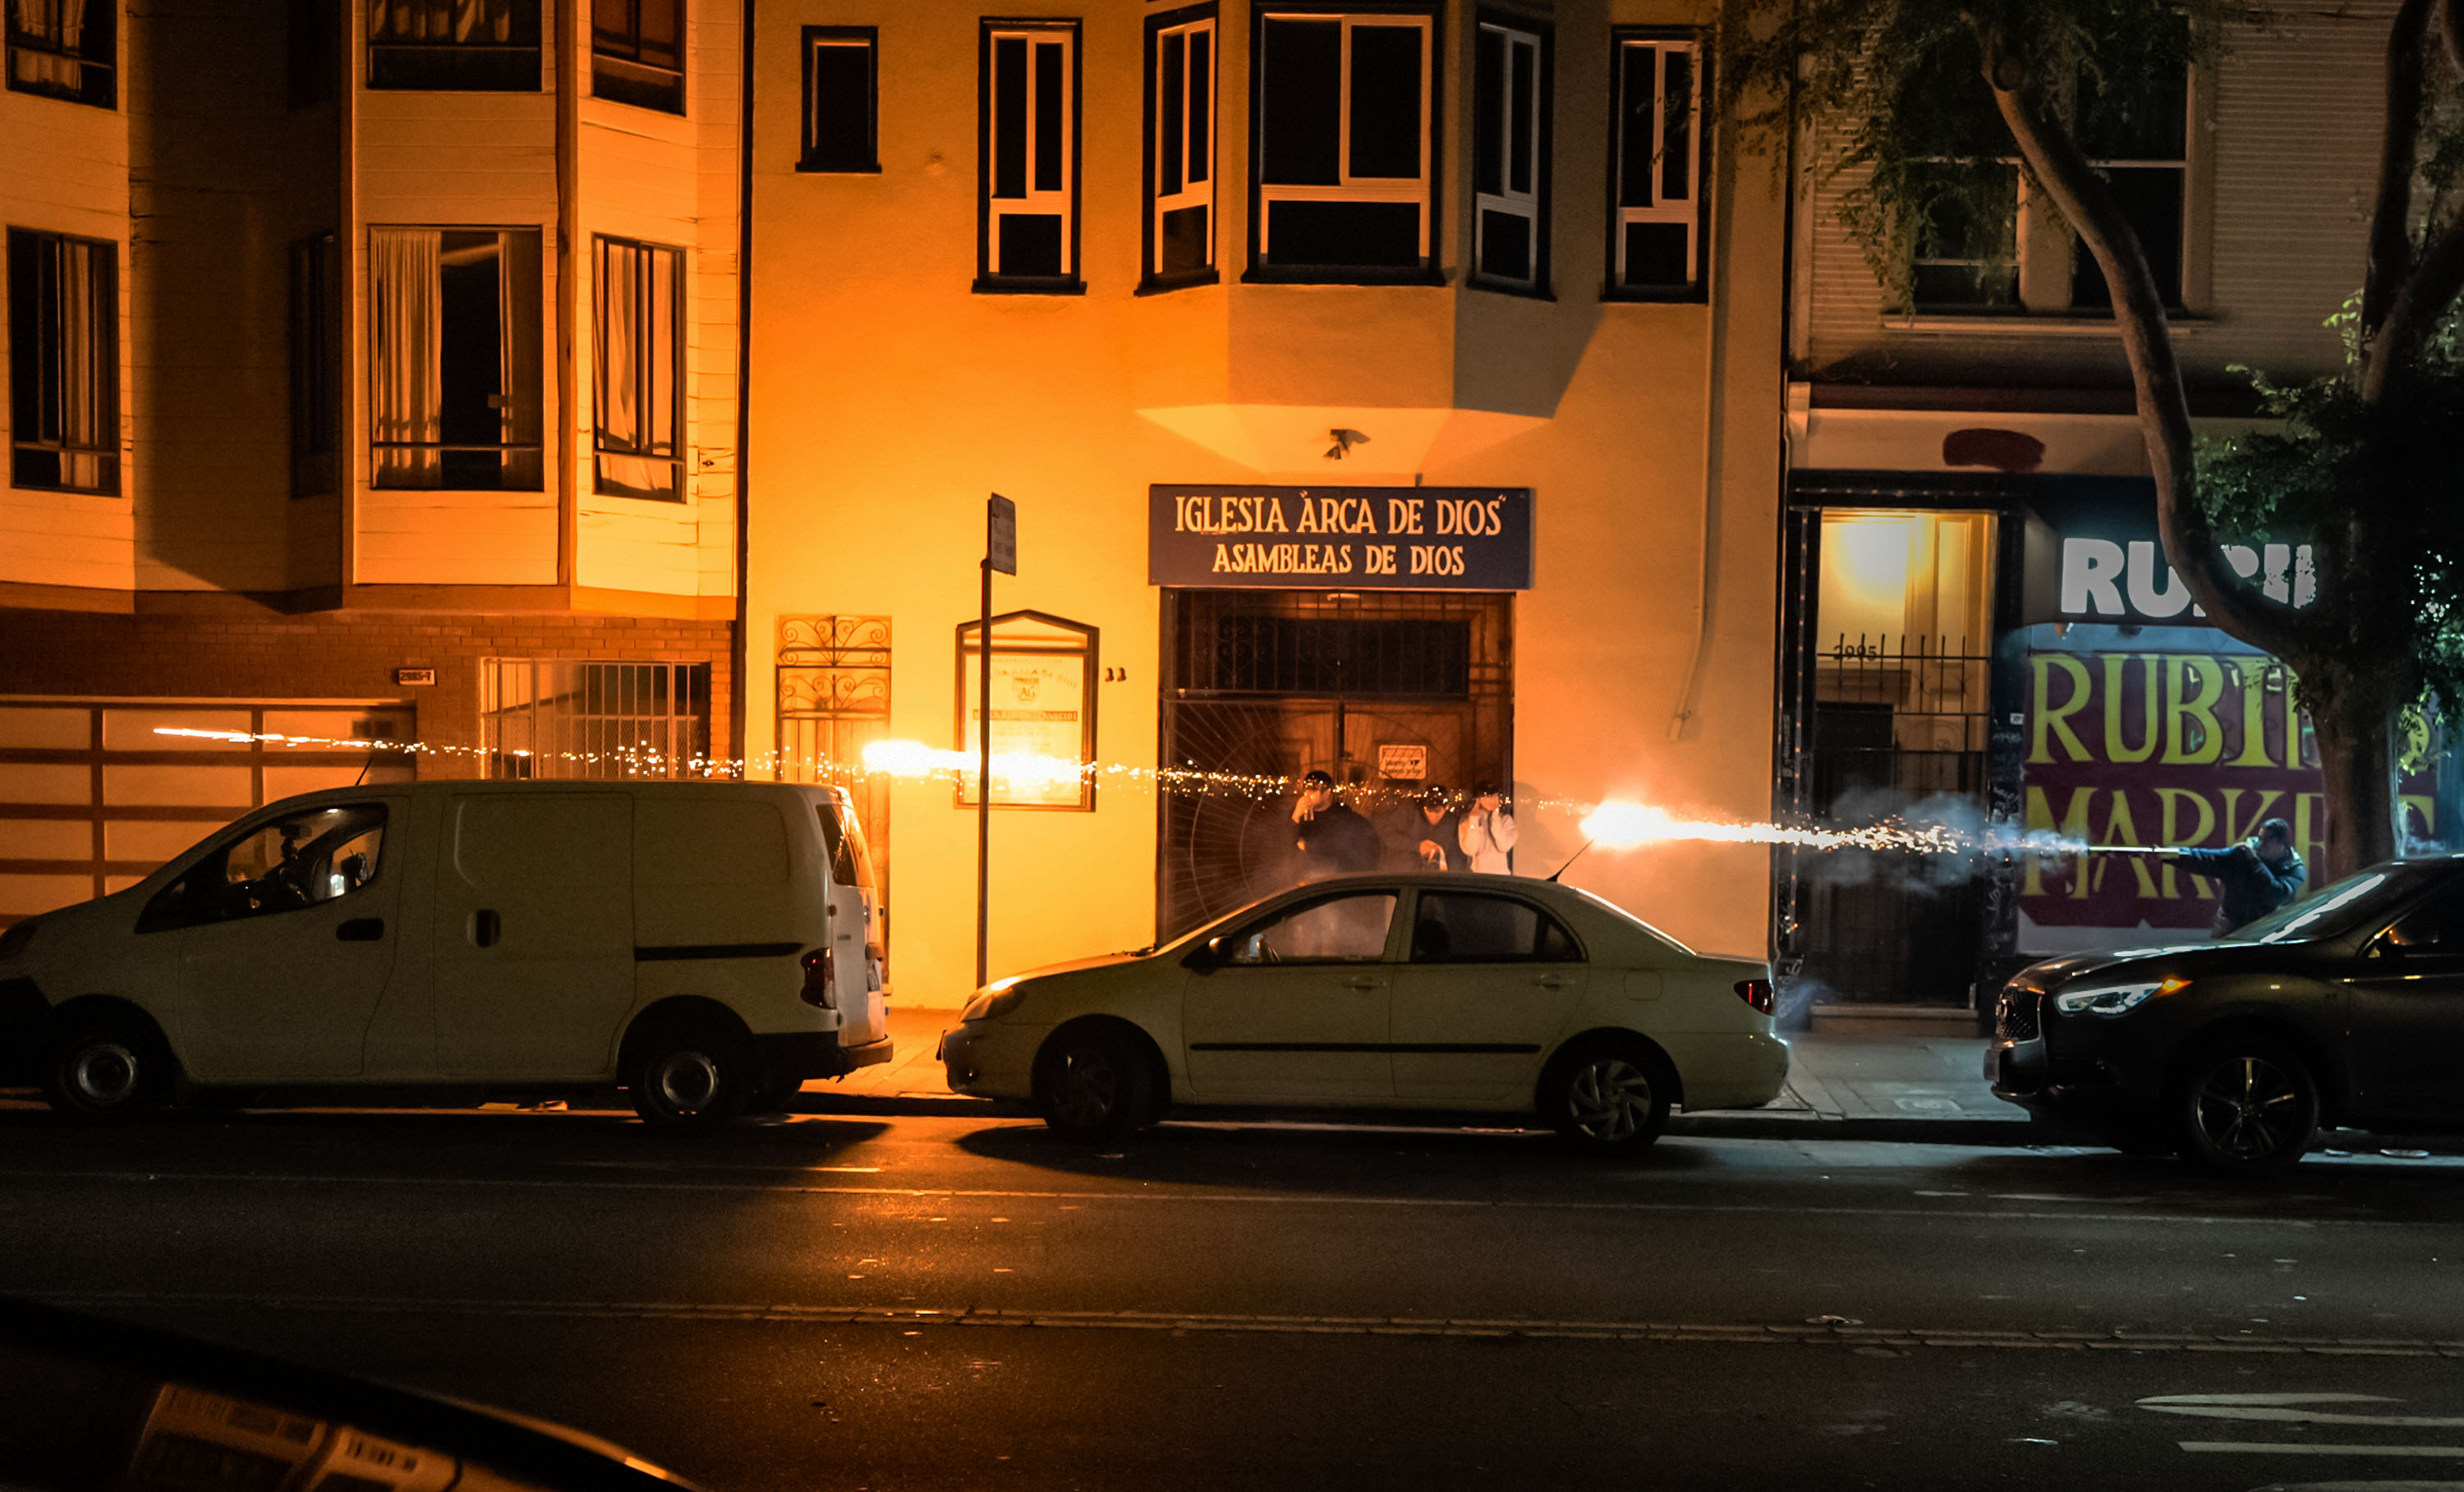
x=559, y=718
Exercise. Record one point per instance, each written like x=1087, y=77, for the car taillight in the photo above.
x=1757, y=993
x=821, y=978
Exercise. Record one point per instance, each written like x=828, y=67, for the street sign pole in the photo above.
x=1001, y=552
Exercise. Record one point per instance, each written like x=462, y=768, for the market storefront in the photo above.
x=2014, y=651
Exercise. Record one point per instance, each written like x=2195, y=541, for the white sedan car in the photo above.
x=1461, y=993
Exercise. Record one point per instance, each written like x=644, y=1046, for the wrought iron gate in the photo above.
x=833, y=701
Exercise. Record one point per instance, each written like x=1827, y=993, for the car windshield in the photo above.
x=2340, y=907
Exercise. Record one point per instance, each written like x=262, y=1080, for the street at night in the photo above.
x=920, y=1300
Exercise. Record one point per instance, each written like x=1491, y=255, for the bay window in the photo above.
x=639, y=362
x=637, y=52
x=1180, y=146
x=1509, y=157
x=467, y=45
x=64, y=48
x=1656, y=225
x=455, y=367
x=63, y=362
x=1344, y=150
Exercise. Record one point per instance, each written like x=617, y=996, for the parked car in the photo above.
x=2344, y=1008
x=1470, y=993
x=707, y=946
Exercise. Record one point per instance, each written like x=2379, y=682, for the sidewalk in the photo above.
x=1872, y=1088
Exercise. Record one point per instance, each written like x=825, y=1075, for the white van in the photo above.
x=707, y=946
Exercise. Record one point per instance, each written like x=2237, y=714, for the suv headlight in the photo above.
x=2114, y=1000
x=998, y=998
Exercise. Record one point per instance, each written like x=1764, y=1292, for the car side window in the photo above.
x=2436, y=927
x=1454, y=928
x=284, y=864
x=1338, y=930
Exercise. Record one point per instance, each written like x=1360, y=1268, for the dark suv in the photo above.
x=2344, y=1008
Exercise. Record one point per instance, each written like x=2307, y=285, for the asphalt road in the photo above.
x=932, y=1301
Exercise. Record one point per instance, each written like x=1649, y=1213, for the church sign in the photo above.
x=1340, y=537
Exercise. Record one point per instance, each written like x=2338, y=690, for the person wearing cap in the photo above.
x=1430, y=834
x=1330, y=839
x=2256, y=876
x=1486, y=833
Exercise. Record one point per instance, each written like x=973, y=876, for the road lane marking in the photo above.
x=1261, y=1198
x=1533, y=1327
x=2291, y=1408
x=2292, y=1448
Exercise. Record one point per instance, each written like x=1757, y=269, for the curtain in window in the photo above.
x=479, y=22
x=57, y=26
x=637, y=356
x=405, y=373
x=87, y=411
x=519, y=327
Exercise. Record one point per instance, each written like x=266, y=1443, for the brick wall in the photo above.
x=339, y=656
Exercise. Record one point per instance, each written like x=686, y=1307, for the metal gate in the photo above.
x=1262, y=685
x=833, y=676
x=1870, y=727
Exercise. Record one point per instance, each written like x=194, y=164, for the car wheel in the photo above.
x=1610, y=1099
x=690, y=1078
x=1092, y=1085
x=2247, y=1107
x=106, y=1069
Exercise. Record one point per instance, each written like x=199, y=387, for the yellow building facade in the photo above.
x=1130, y=263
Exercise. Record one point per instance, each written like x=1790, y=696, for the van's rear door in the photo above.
x=855, y=927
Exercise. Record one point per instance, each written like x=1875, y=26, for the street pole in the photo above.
x=984, y=778
x=1001, y=552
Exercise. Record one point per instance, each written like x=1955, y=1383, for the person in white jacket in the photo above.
x=1487, y=831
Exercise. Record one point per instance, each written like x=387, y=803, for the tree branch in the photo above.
x=2420, y=303
x=2451, y=25
x=2390, y=243
x=2056, y=163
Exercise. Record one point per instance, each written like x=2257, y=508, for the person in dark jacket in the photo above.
x=1421, y=833
x=2256, y=876
x=1332, y=839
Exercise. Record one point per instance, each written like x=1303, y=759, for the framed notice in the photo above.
x=1044, y=711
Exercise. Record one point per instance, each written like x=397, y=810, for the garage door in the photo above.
x=93, y=795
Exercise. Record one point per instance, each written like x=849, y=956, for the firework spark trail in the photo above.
x=1615, y=824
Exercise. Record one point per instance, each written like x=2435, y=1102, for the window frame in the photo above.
x=1536, y=206
x=99, y=73
x=539, y=406
x=810, y=161
x=180, y=904
x=599, y=53
x=534, y=49
x=1423, y=896
x=316, y=359
x=1036, y=201
x=1185, y=22
x=1431, y=195
x=601, y=444
x=1307, y=902
x=25, y=350
x=1697, y=221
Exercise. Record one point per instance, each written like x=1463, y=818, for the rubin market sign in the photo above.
x=1346, y=537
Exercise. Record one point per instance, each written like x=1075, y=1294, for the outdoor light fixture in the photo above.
x=1344, y=440
x=2114, y=1000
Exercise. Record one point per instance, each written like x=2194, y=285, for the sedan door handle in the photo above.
x=360, y=930
x=1552, y=981
x=486, y=926
x=1364, y=984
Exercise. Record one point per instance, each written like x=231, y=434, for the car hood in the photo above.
x=2210, y=957
x=1083, y=965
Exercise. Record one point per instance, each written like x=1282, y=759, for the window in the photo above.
x=312, y=365
x=1346, y=160
x=1180, y=147
x=1455, y=928
x=472, y=45
x=640, y=361
x=1655, y=234
x=1509, y=157
x=63, y=362
x=1338, y=930
x=454, y=357
x=296, y=862
x=543, y=718
x=637, y=52
x=1029, y=89
x=1978, y=247
x=64, y=48
x=842, y=99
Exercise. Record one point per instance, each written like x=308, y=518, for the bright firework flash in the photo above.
x=1613, y=825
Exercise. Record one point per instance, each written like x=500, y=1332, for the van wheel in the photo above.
x=1609, y=1099
x=1091, y=1086
x=687, y=1079
x=106, y=1069
x=2247, y=1107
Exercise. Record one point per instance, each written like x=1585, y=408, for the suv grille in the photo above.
x=2015, y=1014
